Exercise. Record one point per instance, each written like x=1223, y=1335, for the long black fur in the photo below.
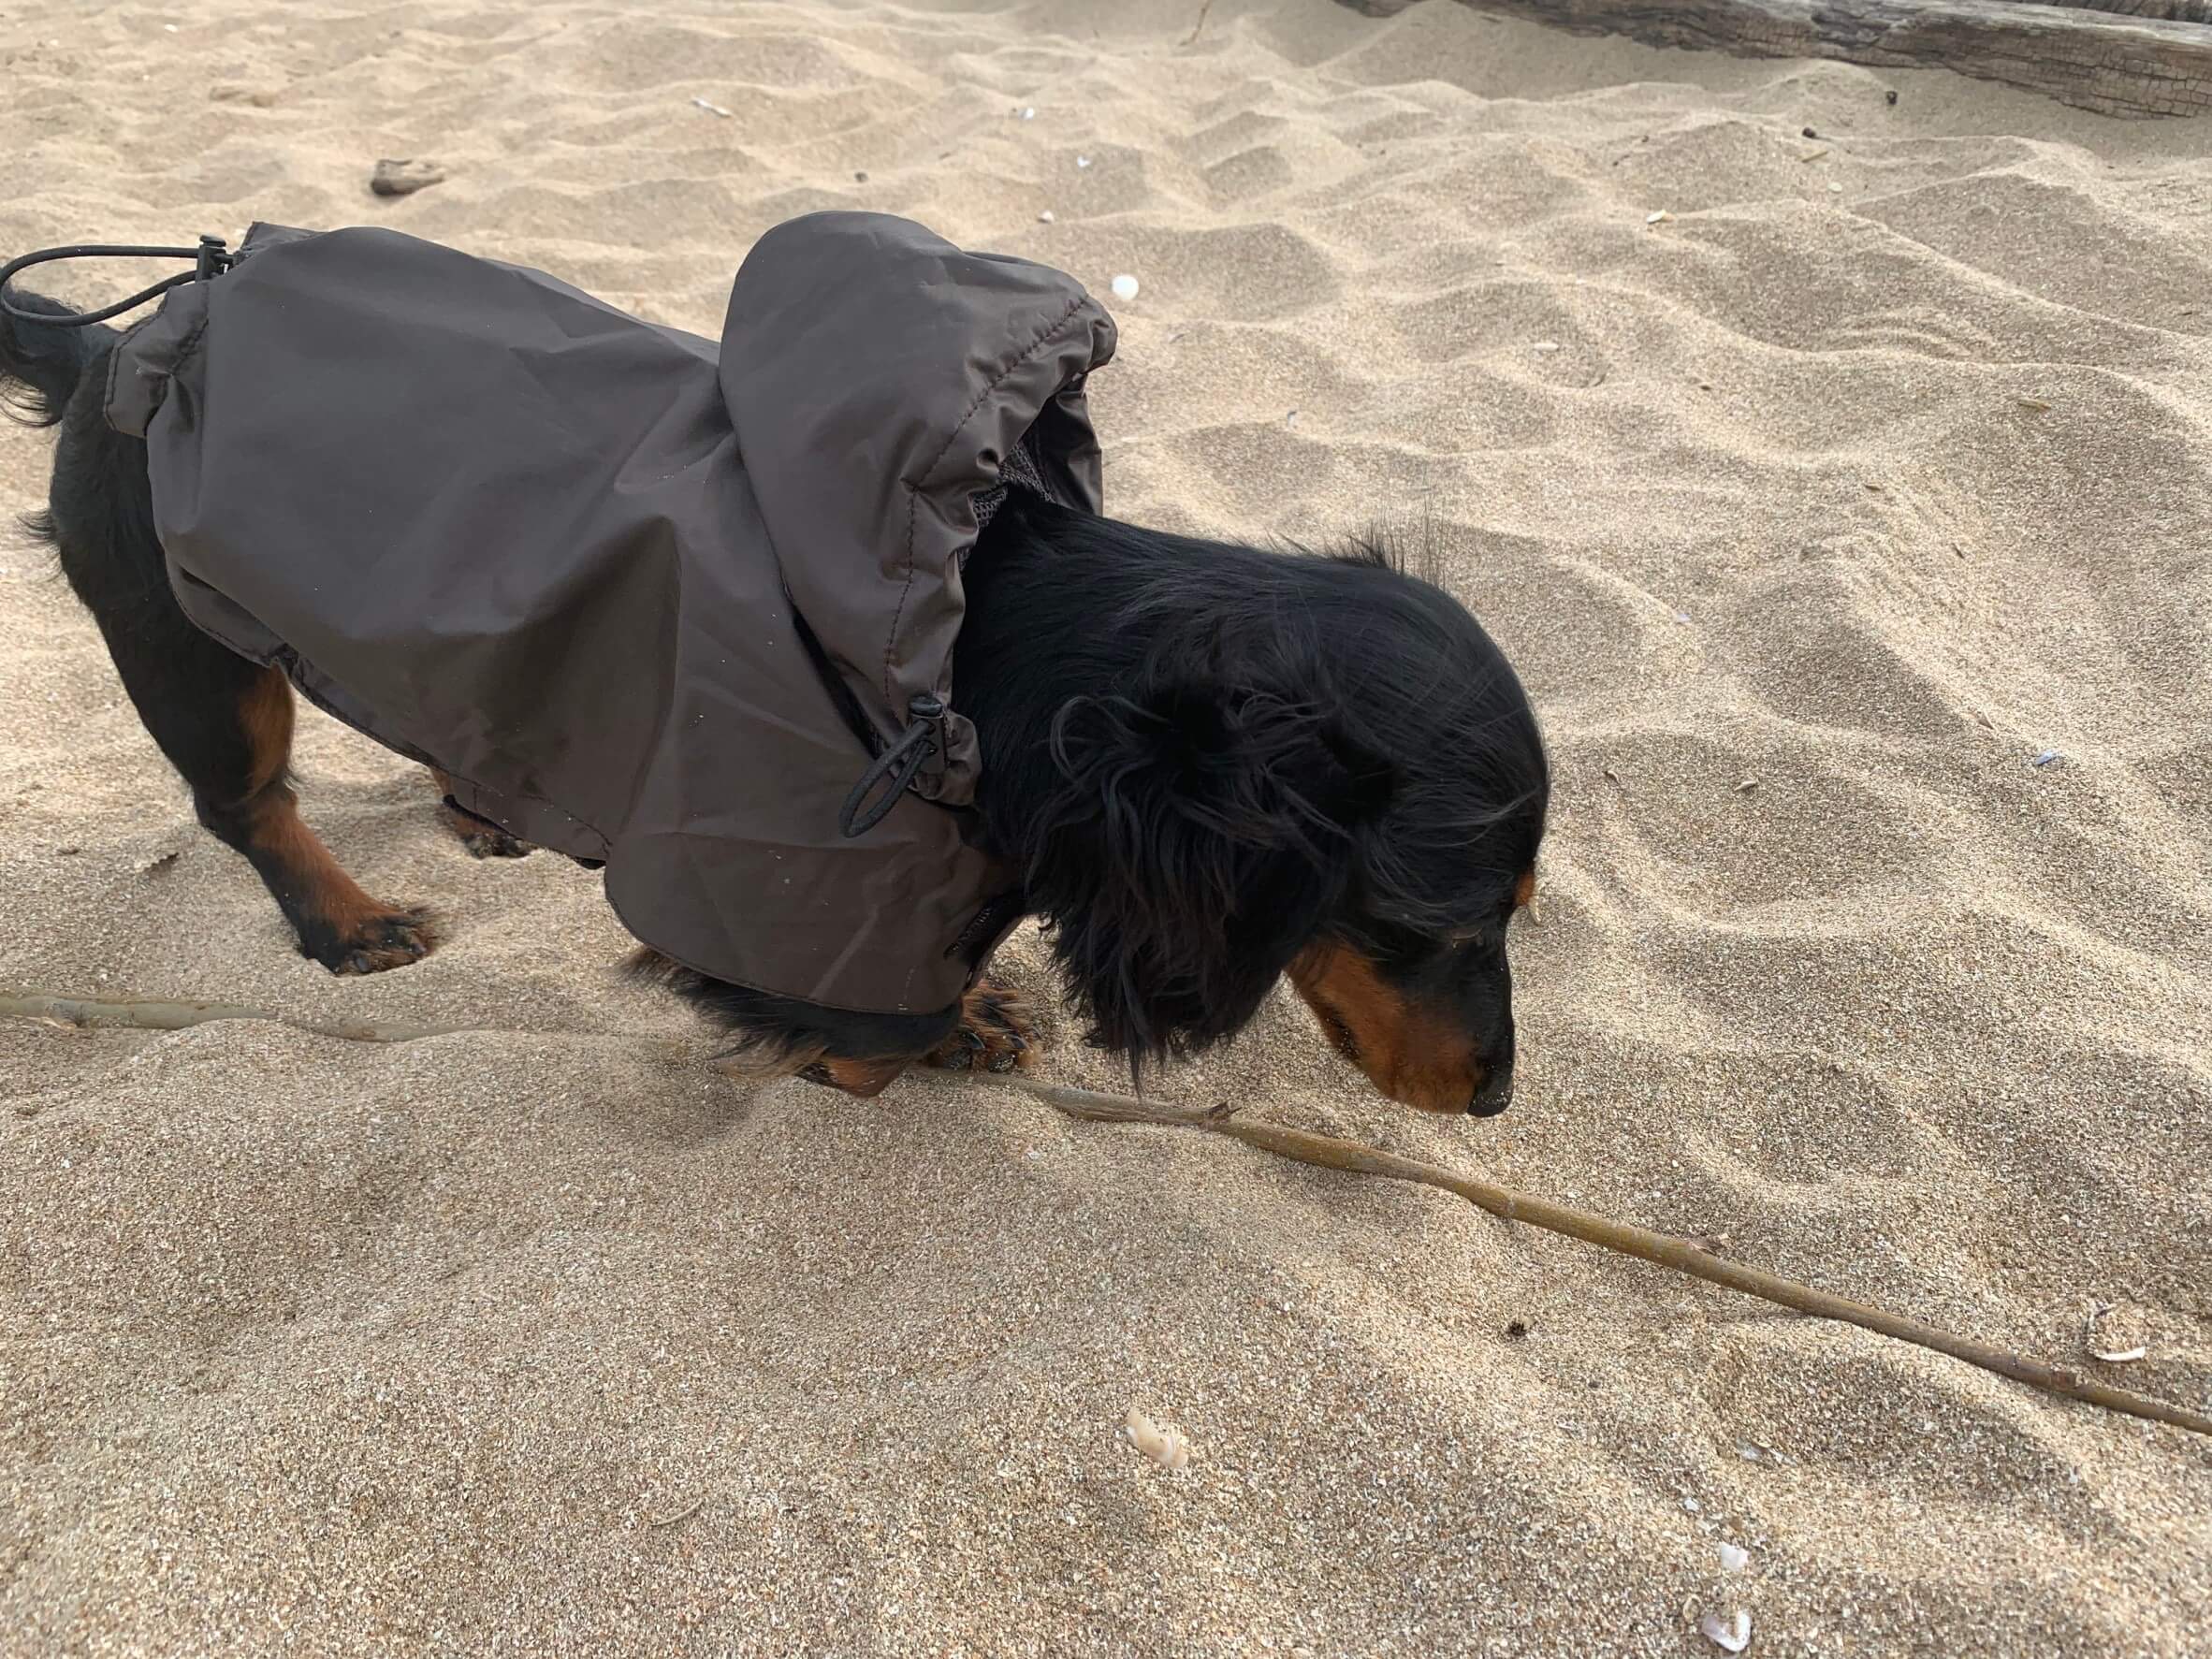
x=1208, y=756
x=1205, y=758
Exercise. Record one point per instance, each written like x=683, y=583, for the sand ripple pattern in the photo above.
x=1816, y=512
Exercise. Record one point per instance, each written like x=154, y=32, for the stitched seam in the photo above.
x=1044, y=336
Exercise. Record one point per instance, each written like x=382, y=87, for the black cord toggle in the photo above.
x=899, y=765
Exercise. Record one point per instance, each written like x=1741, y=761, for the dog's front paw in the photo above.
x=995, y=1034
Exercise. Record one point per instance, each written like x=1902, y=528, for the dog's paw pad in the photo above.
x=391, y=939
x=997, y=1034
x=481, y=838
x=494, y=844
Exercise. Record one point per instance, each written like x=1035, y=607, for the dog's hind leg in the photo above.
x=256, y=813
x=225, y=725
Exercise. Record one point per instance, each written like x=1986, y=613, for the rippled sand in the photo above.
x=1813, y=513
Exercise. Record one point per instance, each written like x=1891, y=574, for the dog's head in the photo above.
x=1319, y=767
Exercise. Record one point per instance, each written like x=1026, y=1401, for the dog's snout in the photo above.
x=1493, y=1093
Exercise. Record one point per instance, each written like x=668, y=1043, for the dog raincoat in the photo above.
x=647, y=600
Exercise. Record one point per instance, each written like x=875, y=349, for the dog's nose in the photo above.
x=1495, y=1094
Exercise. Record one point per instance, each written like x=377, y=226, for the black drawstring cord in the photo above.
x=901, y=763
x=210, y=258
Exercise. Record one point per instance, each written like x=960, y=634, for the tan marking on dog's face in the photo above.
x=1413, y=1057
x=1524, y=891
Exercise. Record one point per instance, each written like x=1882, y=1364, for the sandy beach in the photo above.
x=1844, y=496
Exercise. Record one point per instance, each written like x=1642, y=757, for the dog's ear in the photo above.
x=1193, y=842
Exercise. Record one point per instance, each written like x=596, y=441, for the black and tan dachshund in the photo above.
x=1216, y=765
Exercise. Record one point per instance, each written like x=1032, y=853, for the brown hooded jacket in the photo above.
x=647, y=599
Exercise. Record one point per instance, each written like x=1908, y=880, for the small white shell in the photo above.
x=1545, y=347
x=1124, y=286
x=1658, y=218
x=1165, y=1447
x=1734, y=1557
x=2111, y=1356
x=1082, y=161
x=1731, y=1638
x=1045, y=217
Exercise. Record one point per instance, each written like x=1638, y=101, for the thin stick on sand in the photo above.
x=1323, y=1151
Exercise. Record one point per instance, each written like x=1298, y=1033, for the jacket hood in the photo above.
x=877, y=377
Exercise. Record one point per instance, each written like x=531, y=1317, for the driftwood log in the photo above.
x=2173, y=11
x=2130, y=58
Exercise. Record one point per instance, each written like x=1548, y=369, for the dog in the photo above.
x=1213, y=765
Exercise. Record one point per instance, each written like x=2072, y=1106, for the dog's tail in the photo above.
x=40, y=363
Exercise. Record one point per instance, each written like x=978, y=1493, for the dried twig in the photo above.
x=1323, y=1151
x=156, y=1015
x=1329, y=1153
x=673, y=1516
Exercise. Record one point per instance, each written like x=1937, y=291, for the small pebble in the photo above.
x=1810, y=134
x=1045, y=217
x=860, y=178
x=1659, y=217
x=1082, y=161
x=1029, y=112
x=1889, y=96
x=404, y=178
x=1544, y=347
x=712, y=108
x=1731, y=1638
x=1165, y=1447
x=1124, y=286
x=1681, y=616
x=1734, y=1558
x=1835, y=188
x=2045, y=758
